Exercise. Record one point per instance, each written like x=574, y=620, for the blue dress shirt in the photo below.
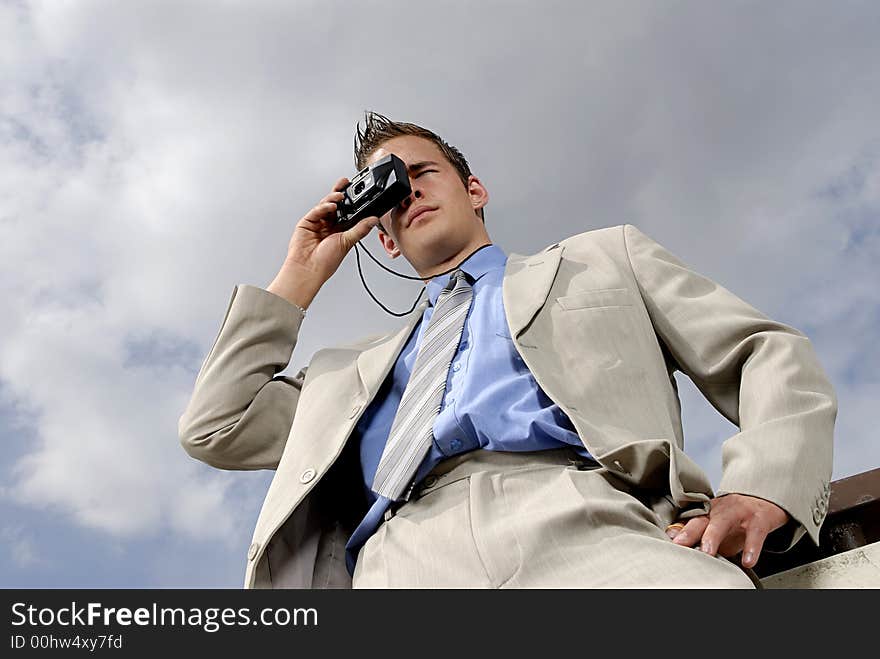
x=491, y=401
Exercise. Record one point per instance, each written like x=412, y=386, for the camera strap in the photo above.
x=357, y=253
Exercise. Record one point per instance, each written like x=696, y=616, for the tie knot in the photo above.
x=456, y=276
x=458, y=281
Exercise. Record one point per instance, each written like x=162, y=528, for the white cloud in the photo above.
x=21, y=547
x=152, y=155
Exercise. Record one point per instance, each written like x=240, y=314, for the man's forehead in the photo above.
x=409, y=148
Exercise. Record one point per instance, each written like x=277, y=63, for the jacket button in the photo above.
x=817, y=516
x=307, y=476
x=252, y=550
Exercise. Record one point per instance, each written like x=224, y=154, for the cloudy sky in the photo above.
x=155, y=154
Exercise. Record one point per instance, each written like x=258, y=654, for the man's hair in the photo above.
x=378, y=129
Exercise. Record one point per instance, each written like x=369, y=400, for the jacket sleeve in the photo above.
x=761, y=374
x=240, y=411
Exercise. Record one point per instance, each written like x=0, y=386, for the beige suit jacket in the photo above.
x=603, y=320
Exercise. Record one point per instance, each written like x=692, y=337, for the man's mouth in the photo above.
x=417, y=213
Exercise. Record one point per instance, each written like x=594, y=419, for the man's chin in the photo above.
x=427, y=253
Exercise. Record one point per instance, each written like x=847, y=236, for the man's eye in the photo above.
x=425, y=172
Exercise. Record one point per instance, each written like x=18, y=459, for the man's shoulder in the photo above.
x=606, y=237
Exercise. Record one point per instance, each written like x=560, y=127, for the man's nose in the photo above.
x=412, y=196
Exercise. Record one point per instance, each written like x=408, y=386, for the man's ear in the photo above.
x=477, y=192
x=390, y=246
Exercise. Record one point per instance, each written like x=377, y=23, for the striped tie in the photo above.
x=413, y=428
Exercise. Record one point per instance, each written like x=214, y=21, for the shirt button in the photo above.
x=455, y=444
x=450, y=401
x=456, y=367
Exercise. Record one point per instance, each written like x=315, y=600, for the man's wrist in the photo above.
x=295, y=286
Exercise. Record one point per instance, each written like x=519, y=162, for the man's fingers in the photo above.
x=737, y=523
x=325, y=208
x=320, y=212
x=692, y=531
x=756, y=534
x=716, y=532
x=359, y=230
x=674, y=529
x=335, y=197
x=329, y=203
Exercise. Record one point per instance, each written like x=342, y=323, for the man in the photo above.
x=531, y=435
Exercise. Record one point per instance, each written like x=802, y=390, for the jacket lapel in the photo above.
x=527, y=282
x=353, y=383
x=377, y=360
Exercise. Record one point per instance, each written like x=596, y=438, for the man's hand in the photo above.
x=735, y=523
x=316, y=249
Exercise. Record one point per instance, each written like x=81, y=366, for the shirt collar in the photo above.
x=475, y=266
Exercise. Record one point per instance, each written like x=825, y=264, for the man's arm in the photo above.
x=764, y=377
x=240, y=411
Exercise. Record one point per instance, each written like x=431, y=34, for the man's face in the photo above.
x=438, y=219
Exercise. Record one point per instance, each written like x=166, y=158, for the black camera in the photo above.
x=374, y=190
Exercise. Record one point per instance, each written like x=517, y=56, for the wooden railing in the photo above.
x=853, y=521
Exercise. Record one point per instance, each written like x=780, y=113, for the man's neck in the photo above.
x=457, y=259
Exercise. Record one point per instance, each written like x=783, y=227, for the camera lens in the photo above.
x=359, y=187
